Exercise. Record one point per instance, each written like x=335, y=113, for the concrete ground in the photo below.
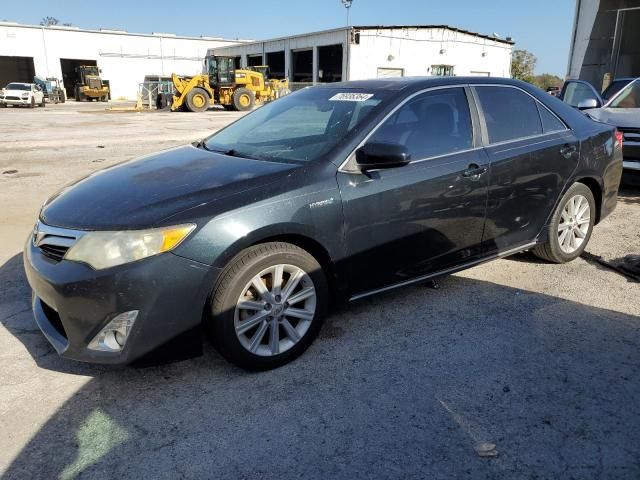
x=541, y=360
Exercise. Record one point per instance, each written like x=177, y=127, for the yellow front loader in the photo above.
x=223, y=85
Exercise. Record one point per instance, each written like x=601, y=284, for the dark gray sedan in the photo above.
x=340, y=191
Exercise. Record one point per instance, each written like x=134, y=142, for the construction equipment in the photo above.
x=222, y=84
x=89, y=85
x=52, y=88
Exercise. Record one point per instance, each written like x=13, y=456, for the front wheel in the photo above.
x=268, y=306
x=570, y=227
x=243, y=99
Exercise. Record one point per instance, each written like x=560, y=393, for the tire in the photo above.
x=104, y=98
x=578, y=226
x=254, y=349
x=42, y=103
x=243, y=99
x=62, y=97
x=79, y=96
x=33, y=103
x=197, y=100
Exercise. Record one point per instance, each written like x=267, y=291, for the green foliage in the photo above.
x=547, y=80
x=523, y=63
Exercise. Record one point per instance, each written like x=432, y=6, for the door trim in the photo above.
x=446, y=271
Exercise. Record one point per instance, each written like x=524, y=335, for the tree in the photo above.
x=48, y=21
x=523, y=63
x=547, y=80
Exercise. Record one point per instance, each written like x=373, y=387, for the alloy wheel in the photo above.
x=575, y=221
x=275, y=310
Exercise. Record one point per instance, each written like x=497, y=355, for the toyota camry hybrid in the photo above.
x=339, y=191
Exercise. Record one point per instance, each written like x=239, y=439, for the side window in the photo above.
x=431, y=124
x=509, y=113
x=550, y=123
x=575, y=92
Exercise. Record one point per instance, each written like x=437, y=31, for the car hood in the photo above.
x=142, y=193
x=618, y=117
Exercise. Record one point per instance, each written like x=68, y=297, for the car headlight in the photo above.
x=109, y=249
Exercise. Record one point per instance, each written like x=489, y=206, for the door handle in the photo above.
x=474, y=170
x=567, y=151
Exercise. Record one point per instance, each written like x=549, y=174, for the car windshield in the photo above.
x=614, y=88
x=18, y=86
x=629, y=97
x=300, y=127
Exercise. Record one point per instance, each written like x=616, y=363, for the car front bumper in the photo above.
x=72, y=302
x=26, y=101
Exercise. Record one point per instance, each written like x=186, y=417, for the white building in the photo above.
x=124, y=58
x=606, y=41
x=362, y=52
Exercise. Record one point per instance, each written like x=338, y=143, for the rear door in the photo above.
x=532, y=155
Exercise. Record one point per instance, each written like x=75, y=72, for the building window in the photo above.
x=390, y=72
x=442, y=70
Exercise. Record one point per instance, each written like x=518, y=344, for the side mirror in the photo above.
x=382, y=155
x=588, y=103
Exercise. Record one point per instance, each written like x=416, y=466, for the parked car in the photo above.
x=622, y=110
x=614, y=87
x=340, y=191
x=553, y=90
x=21, y=94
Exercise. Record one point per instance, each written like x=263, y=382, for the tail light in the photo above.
x=619, y=138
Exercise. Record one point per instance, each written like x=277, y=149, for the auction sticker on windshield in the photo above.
x=351, y=97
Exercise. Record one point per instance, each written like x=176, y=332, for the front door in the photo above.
x=405, y=222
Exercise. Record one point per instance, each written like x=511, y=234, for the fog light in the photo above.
x=113, y=336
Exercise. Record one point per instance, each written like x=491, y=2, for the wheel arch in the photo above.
x=298, y=238
x=596, y=189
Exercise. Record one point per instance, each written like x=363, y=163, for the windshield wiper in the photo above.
x=224, y=151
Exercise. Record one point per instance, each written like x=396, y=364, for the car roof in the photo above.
x=400, y=83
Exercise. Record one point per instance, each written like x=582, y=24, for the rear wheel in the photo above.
x=243, y=99
x=268, y=306
x=198, y=100
x=33, y=103
x=570, y=227
x=42, y=103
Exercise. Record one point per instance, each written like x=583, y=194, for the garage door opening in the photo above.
x=330, y=63
x=275, y=60
x=302, y=66
x=69, y=74
x=254, y=60
x=16, y=69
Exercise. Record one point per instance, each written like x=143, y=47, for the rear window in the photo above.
x=550, y=123
x=509, y=113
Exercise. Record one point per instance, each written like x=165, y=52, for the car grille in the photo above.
x=630, y=134
x=94, y=83
x=53, y=251
x=54, y=242
x=11, y=97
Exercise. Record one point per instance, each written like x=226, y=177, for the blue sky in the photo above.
x=542, y=26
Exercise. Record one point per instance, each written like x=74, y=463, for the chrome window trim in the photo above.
x=538, y=102
x=386, y=117
x=341, y=168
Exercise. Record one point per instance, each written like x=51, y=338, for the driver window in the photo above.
x=431, y=124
